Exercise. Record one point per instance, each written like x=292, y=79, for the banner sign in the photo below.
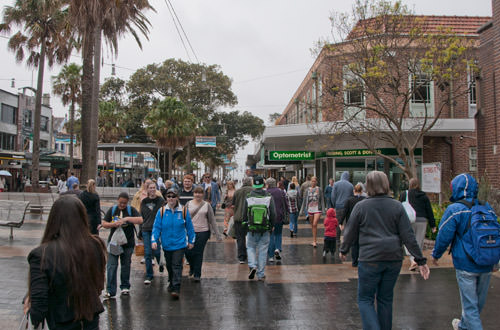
x=291, y=155
x=364, y=152
x=206, y=142
x=431, y=177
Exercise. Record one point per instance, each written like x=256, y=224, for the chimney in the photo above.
x=46, y=99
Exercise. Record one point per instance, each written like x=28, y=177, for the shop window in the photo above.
x=422, y=100
x=354, y=95
x=473, y=159
x=9, y=114
x=44, y=124
x=28, y=118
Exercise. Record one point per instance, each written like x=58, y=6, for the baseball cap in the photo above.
x=258, y=182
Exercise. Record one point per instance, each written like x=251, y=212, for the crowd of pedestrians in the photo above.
x=175, y=224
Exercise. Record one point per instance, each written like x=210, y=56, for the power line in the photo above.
x=185, y=34
x=177, y=28
x=270, y=76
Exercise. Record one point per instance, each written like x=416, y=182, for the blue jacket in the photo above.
x=71, y=181
x=342, y=191
x=173, y=229
x=454, y=222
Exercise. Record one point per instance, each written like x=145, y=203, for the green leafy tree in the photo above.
x=93, y=19
x=171, y=125
x=382, y=60
x=43, y=35
x=273, y=117
x=68, y=85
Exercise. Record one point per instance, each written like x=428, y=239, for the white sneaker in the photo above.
x=125, y=292
x=153, y=262
x=277, y=254
x=107, y=295
x=271, y=259
x=455, y=324
x=143, y=260
x=147, y=281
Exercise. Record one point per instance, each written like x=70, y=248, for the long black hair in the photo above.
x=67, y=241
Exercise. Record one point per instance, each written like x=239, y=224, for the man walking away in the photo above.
x=240, y=230
x=328, y=193
x=341, y=192
x=71, y=181
x=473, y=270
x=258, y=218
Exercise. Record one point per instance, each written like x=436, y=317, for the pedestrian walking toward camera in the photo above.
x=228, y=204
x=328, y=193
x=281, y=207
x=331, y=224
x=92, y=203
x=149, y=208
x=240, y=210
x=173, y=225
x=203, y=219
x=61, y=184
x=66, y=272
x=313, y=206
x=186, y=194
x=120, y=218
x=382, y=225
x=260, y=216
x=472, y=229
x=212, y=192
x=423, y=209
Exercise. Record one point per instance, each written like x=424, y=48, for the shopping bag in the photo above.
x=230, y=228
x=410, y=211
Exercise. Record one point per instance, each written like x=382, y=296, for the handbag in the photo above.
x=410, y=211
x=139, y=249
x=223, y=206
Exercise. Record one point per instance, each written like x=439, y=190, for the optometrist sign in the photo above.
x=431, y=177
x=291, y=155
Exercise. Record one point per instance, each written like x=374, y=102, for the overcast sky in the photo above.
x=262, y=45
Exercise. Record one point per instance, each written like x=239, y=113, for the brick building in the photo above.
x=488, y=97
x=332, y=95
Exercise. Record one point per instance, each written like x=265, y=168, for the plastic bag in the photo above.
x=26, y=324
x=230, y=228
x=410, y=211
x=119, y=236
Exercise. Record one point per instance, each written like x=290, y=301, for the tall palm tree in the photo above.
x=92, y=19
x=44, y=35
x=172, y=125
x=68, y=85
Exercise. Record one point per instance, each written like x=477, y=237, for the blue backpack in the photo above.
x=113, y=209
x=481, y=238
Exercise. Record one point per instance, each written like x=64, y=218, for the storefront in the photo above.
x=13, y=163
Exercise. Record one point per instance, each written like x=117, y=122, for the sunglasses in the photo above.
x=171, y=196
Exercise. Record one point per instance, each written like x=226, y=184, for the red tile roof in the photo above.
x=465, y=25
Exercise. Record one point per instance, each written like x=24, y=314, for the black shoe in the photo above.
x=175, y=295
x=197, y=279
x=161, y=268
x=291, y=234
x=252, y=273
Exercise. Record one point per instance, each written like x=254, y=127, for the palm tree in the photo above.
x=172, y=125
x=44, y=35
x=92, y=19
x=68, y=85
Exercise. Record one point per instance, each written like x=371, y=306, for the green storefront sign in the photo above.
x=291, y=155
x=363, y=153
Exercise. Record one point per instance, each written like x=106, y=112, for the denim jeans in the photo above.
x=473, y=291
x=293, y=222
x=257, y=245
x=377, y=279
x=241, y=232
x=275, y=239
x=173, y=259
x=149, y=253
x=195, y=255
x=112, y=267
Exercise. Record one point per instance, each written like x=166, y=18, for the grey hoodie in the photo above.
x=341, y=191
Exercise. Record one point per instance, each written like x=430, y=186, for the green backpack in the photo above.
x=258, y=213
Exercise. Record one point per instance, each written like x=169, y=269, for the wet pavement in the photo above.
x=302, y=292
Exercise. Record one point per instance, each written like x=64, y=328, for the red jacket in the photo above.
x=331, y=223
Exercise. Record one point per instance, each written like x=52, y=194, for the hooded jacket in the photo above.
x=342, y=190
x=331, y=223
x=454, y=222
x=174, y=231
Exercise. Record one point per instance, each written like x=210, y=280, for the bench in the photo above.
x=12, y=214
x=39, y=203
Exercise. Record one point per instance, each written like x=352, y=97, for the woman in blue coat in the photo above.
x=172, y=225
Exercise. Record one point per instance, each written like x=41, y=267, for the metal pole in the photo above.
x=114, y=166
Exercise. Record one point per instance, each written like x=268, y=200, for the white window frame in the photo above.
x=352, y=110
x=418, y=108
x=472, y=94
x=473, y=159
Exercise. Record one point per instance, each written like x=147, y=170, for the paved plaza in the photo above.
x=303, y=292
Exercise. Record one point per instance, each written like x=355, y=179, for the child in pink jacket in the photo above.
x=331, y=224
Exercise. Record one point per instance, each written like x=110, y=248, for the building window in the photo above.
x=354, y=95
x=7, y=141
x=28, y=117
x=63, y=147
x=44, y=124
x=473, y=159
x=471, y=81
x=422, y=100
x=9, y=114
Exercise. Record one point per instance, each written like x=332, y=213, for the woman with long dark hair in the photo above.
x=66, y=271
x=92, y=203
